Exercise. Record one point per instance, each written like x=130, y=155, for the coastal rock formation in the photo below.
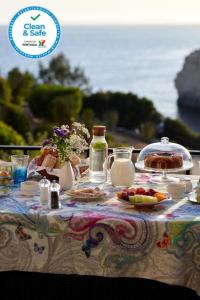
x=187, y=82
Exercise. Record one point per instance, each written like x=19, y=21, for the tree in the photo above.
x=59, y=71
x=5, y=91
x=56, y=104
x=21, y=85
x=66, y=108
x=132, y=110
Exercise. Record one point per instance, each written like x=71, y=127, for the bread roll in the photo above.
x=49, y=161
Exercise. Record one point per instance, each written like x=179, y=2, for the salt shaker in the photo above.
x=187, y=183
x=44, y=191
x=54, y=198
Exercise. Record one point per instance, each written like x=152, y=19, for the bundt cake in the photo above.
x=163, y=161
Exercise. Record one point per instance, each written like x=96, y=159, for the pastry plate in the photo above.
x=86, y=196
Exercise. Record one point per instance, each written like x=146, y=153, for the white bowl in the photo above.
x=29, y=188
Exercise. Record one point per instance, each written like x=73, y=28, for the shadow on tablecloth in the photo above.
x=28, y=286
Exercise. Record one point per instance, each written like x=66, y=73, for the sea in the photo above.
x=140, y=59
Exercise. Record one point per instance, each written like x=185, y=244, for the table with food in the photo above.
x=110, y=221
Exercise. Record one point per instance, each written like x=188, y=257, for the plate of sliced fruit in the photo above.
x=141, y=197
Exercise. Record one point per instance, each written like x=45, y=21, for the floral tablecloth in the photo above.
x=103, y=238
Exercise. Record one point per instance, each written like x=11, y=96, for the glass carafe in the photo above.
x=122, y=171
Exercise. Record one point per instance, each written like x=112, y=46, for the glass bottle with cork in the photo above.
x=98, y=155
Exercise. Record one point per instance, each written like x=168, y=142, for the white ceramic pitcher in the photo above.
x=122, y=171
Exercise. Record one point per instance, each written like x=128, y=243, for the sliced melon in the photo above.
x=142, y=199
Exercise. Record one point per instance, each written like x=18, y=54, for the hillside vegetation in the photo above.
x=61, y=94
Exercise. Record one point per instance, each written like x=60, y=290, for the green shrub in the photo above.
x=132, y=110
x=5, y=91
x=8, y=136
x=14, y=116
x=56, y=104
x=43, y=127
x=113, y=142
x=180, y=133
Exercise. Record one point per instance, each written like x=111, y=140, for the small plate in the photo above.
x=192, y=198
x=86, y=197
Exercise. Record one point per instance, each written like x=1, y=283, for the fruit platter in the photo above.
x=141, y=197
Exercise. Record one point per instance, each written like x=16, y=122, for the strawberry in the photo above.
x=151, y=192
x=131, y=192
x=140, y=191
x=124, y=196
x=147, y=193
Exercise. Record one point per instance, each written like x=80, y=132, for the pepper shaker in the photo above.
x=54, y=196
x=44, y=191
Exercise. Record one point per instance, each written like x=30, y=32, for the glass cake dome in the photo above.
x=165, y=157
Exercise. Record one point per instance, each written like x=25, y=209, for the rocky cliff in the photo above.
x=187, y=82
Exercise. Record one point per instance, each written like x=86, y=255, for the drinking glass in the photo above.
x=20, y=163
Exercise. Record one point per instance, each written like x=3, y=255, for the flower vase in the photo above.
x=66, y=177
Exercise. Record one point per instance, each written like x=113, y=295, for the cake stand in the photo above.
x=162, y=177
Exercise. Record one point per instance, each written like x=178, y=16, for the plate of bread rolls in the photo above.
x=47, y=164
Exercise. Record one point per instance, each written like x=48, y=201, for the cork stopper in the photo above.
x=99, y=130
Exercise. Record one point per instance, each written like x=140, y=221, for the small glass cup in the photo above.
x=176, y=190
x=20, y=163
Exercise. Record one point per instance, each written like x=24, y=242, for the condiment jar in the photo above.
x=54, y=197
x=176, y=190
x=187, y=183
x=44, y=191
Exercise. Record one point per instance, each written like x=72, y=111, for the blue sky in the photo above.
x=112, y=11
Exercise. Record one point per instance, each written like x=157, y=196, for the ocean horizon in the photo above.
x=130, y=58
